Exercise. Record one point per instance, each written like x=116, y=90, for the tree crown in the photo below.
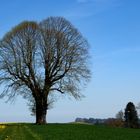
x=49, y=56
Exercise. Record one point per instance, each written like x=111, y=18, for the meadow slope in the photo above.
x=66, y=132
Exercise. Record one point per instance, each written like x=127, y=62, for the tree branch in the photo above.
x=57, y=89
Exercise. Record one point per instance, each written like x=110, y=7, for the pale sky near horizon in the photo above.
x=112, y=28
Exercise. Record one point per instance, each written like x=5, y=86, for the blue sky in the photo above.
x=112, y=28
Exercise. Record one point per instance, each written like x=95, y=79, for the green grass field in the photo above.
x=66, y=132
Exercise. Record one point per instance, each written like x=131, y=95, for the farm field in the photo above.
x=65, y=132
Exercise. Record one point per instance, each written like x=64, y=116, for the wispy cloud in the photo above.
x=88, y=8
x=117, y=53
x=96, y=1
x=84, y=1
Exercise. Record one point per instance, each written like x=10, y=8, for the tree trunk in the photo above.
x=41, y=112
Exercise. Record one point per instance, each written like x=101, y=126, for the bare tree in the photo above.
x=120, y=115
x=36, y=60
x=138, y=109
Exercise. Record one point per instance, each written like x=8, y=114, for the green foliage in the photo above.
x=131, y=117
x=67, y=132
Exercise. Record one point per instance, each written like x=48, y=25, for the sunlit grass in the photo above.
x=2, y=126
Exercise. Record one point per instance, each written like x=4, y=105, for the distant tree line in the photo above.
x=128, y=118
x=91, y=120
x=97, y=121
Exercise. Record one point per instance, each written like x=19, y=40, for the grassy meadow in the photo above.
x=65, y=132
